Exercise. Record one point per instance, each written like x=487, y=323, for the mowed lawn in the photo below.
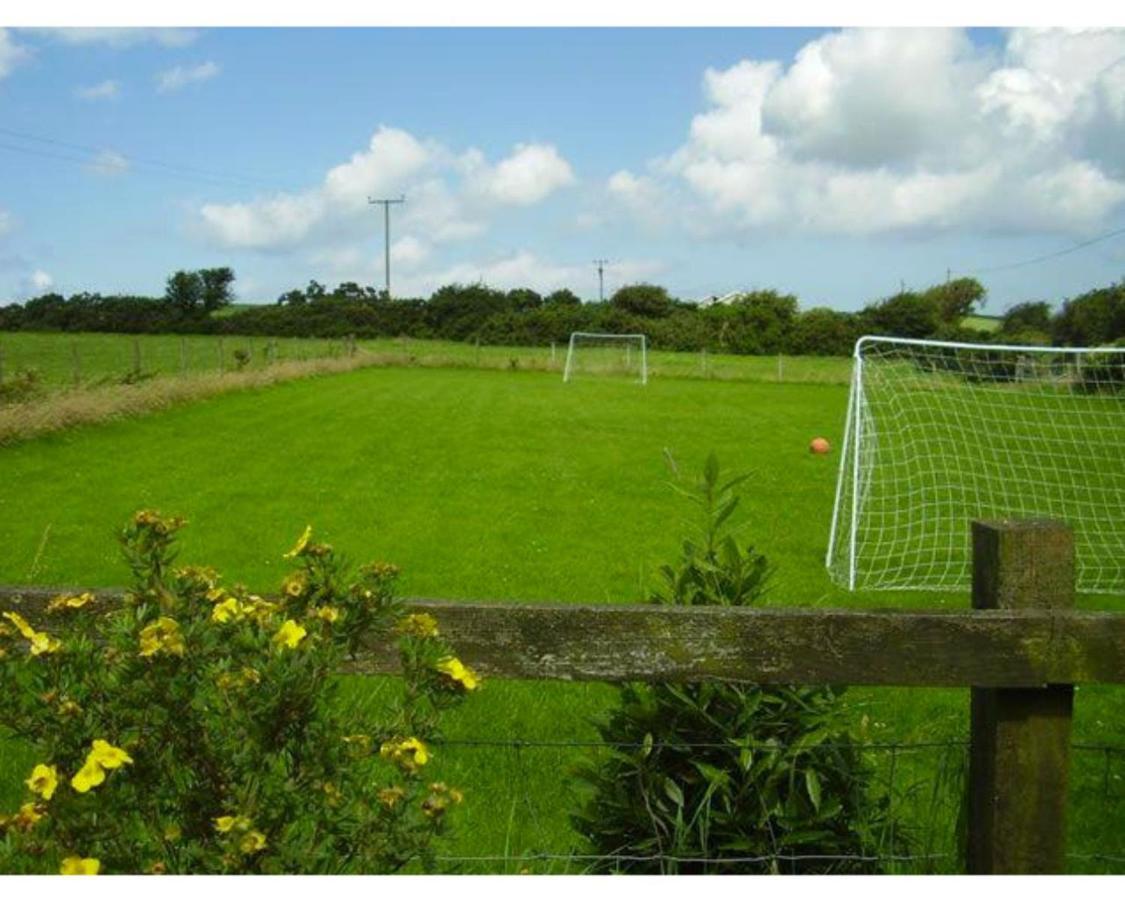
x=503, y=485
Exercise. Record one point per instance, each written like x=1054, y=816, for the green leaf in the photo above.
x=673, y=791
x=812, y=784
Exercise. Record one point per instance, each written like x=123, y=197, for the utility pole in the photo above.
x=601, y=264
x=387, y=235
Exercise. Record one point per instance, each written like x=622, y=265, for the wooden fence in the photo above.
x=1021, y=649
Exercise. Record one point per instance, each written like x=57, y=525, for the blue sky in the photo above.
x=835, y=165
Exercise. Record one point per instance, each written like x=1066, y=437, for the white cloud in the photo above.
x=530, y=174
x=103, y=90
x=35, y=282
x=449, y=197
x=122, y=37
x=181, y=76
x=108, y=162
x=409, y=251
x=877, y=130
x=524, y=268
x=11, y=53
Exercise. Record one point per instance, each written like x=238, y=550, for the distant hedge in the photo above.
x=757, y=322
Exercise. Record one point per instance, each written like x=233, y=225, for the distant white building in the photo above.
x=725, y=300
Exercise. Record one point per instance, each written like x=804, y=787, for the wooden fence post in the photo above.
x=1020, y=737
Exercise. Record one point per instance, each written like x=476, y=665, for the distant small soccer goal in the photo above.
x=589, y=353
x=940, y=433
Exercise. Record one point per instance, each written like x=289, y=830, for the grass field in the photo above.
x=65, y=360
x=508, y=485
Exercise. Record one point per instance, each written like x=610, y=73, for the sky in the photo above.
x=838, y=165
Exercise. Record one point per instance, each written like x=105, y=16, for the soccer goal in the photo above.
x=607, y=354
x=939, y=433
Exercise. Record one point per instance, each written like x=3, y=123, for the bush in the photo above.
x=724, y=777
x=199, y=728
x=23, y=385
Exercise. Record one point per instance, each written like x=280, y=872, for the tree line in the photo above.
x=754, y=322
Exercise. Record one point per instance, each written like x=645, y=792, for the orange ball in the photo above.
x=819, y=445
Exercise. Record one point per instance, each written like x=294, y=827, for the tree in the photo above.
x=295, y=297
x=648, y=300
x=1031, y=316
x=1092, y=319
x=562, y=297
x=216, y=287
x=524, y=298
x=905, y=314
x=823, y=332
x=956, y=299
x=184, y=290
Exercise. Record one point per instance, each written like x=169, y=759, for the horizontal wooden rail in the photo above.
x=984, y=648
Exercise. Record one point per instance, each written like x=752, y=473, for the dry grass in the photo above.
x=60, y=411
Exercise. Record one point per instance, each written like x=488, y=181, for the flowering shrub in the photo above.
x=197, y=727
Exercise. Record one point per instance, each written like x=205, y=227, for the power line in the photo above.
x=1046, y=256
x=174, y=169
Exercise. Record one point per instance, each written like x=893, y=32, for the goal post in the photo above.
x=606, y=354
x=938, y=433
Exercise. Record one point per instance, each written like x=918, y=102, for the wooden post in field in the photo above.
x=136, y=356
x=1020, y=737
x=183, y=355
x=222, y=359
x=75, y=369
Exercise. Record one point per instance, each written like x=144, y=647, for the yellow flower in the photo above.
x=29, y=814
x=252, y=842
x=421, y=625
x=41, y=642
x=107, y=756
x=102, y=756
x=69, y=708
x=215, y=594
x=333, y=793
x=294, y=584
x=224, y=824
x=327, y=613
x=70, y=601
x=290, y=634
x=162, y=636
x=227, y=610
x=77, y=865
x=89, y=776
x=250, y=676
x=43, y=781
x=173, y=833
x=390, y=797
x=302, y=542
x=459, y=673
x=21, y=623
x=44, y=643
x=410, y=754
x=260, y=609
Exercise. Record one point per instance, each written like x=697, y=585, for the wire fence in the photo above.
x=522, y=823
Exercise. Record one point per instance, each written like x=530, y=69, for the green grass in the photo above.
x=500, y=485
x=64, y=360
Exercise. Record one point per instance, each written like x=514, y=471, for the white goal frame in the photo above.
x=955, y=437
x=568, y=369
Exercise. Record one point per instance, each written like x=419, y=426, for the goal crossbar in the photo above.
x=627, y=340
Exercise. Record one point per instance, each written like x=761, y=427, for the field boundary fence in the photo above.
x=1020, y=649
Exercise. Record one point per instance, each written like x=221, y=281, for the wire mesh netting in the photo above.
x=939, y=434
x=527, y=828
x=623, y=355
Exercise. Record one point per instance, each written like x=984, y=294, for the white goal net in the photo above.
x=607, y=354
x=938, y=434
